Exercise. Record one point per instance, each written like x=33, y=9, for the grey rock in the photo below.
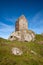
x=16, y=51
x=21, y=31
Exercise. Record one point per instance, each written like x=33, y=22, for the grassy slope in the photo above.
x=7, y=58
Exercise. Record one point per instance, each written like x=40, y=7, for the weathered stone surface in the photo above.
x=22, y=36
x=21, y=31
x=16, y=51
x=21, y=24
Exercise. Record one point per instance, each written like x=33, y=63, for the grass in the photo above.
x=28, y=58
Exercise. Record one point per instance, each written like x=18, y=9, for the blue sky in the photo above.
x=10, y=10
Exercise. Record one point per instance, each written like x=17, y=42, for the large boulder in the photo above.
x=26, y=35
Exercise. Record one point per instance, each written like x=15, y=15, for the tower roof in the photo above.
x=22, y=17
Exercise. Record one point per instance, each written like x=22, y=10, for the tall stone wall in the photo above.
x=21, y=24
x=17, y=26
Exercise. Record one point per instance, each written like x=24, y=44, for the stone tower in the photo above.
x=21, y=24
x=21, y=31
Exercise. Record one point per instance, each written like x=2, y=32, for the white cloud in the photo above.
x=12, y=19
x=6, y=30
x=3, y=24
x=36, y=23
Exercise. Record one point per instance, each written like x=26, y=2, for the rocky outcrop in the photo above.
x=21, y=31
x=22, y=36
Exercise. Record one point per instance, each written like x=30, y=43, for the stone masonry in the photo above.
x=21, y=31
x=21, y=24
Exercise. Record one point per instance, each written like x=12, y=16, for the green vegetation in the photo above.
x=28, y=58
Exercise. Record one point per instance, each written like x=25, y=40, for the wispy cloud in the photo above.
x=8, y=27
x=36, y=23
x=3, y=24
x=10, y=19
x=5, y=30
